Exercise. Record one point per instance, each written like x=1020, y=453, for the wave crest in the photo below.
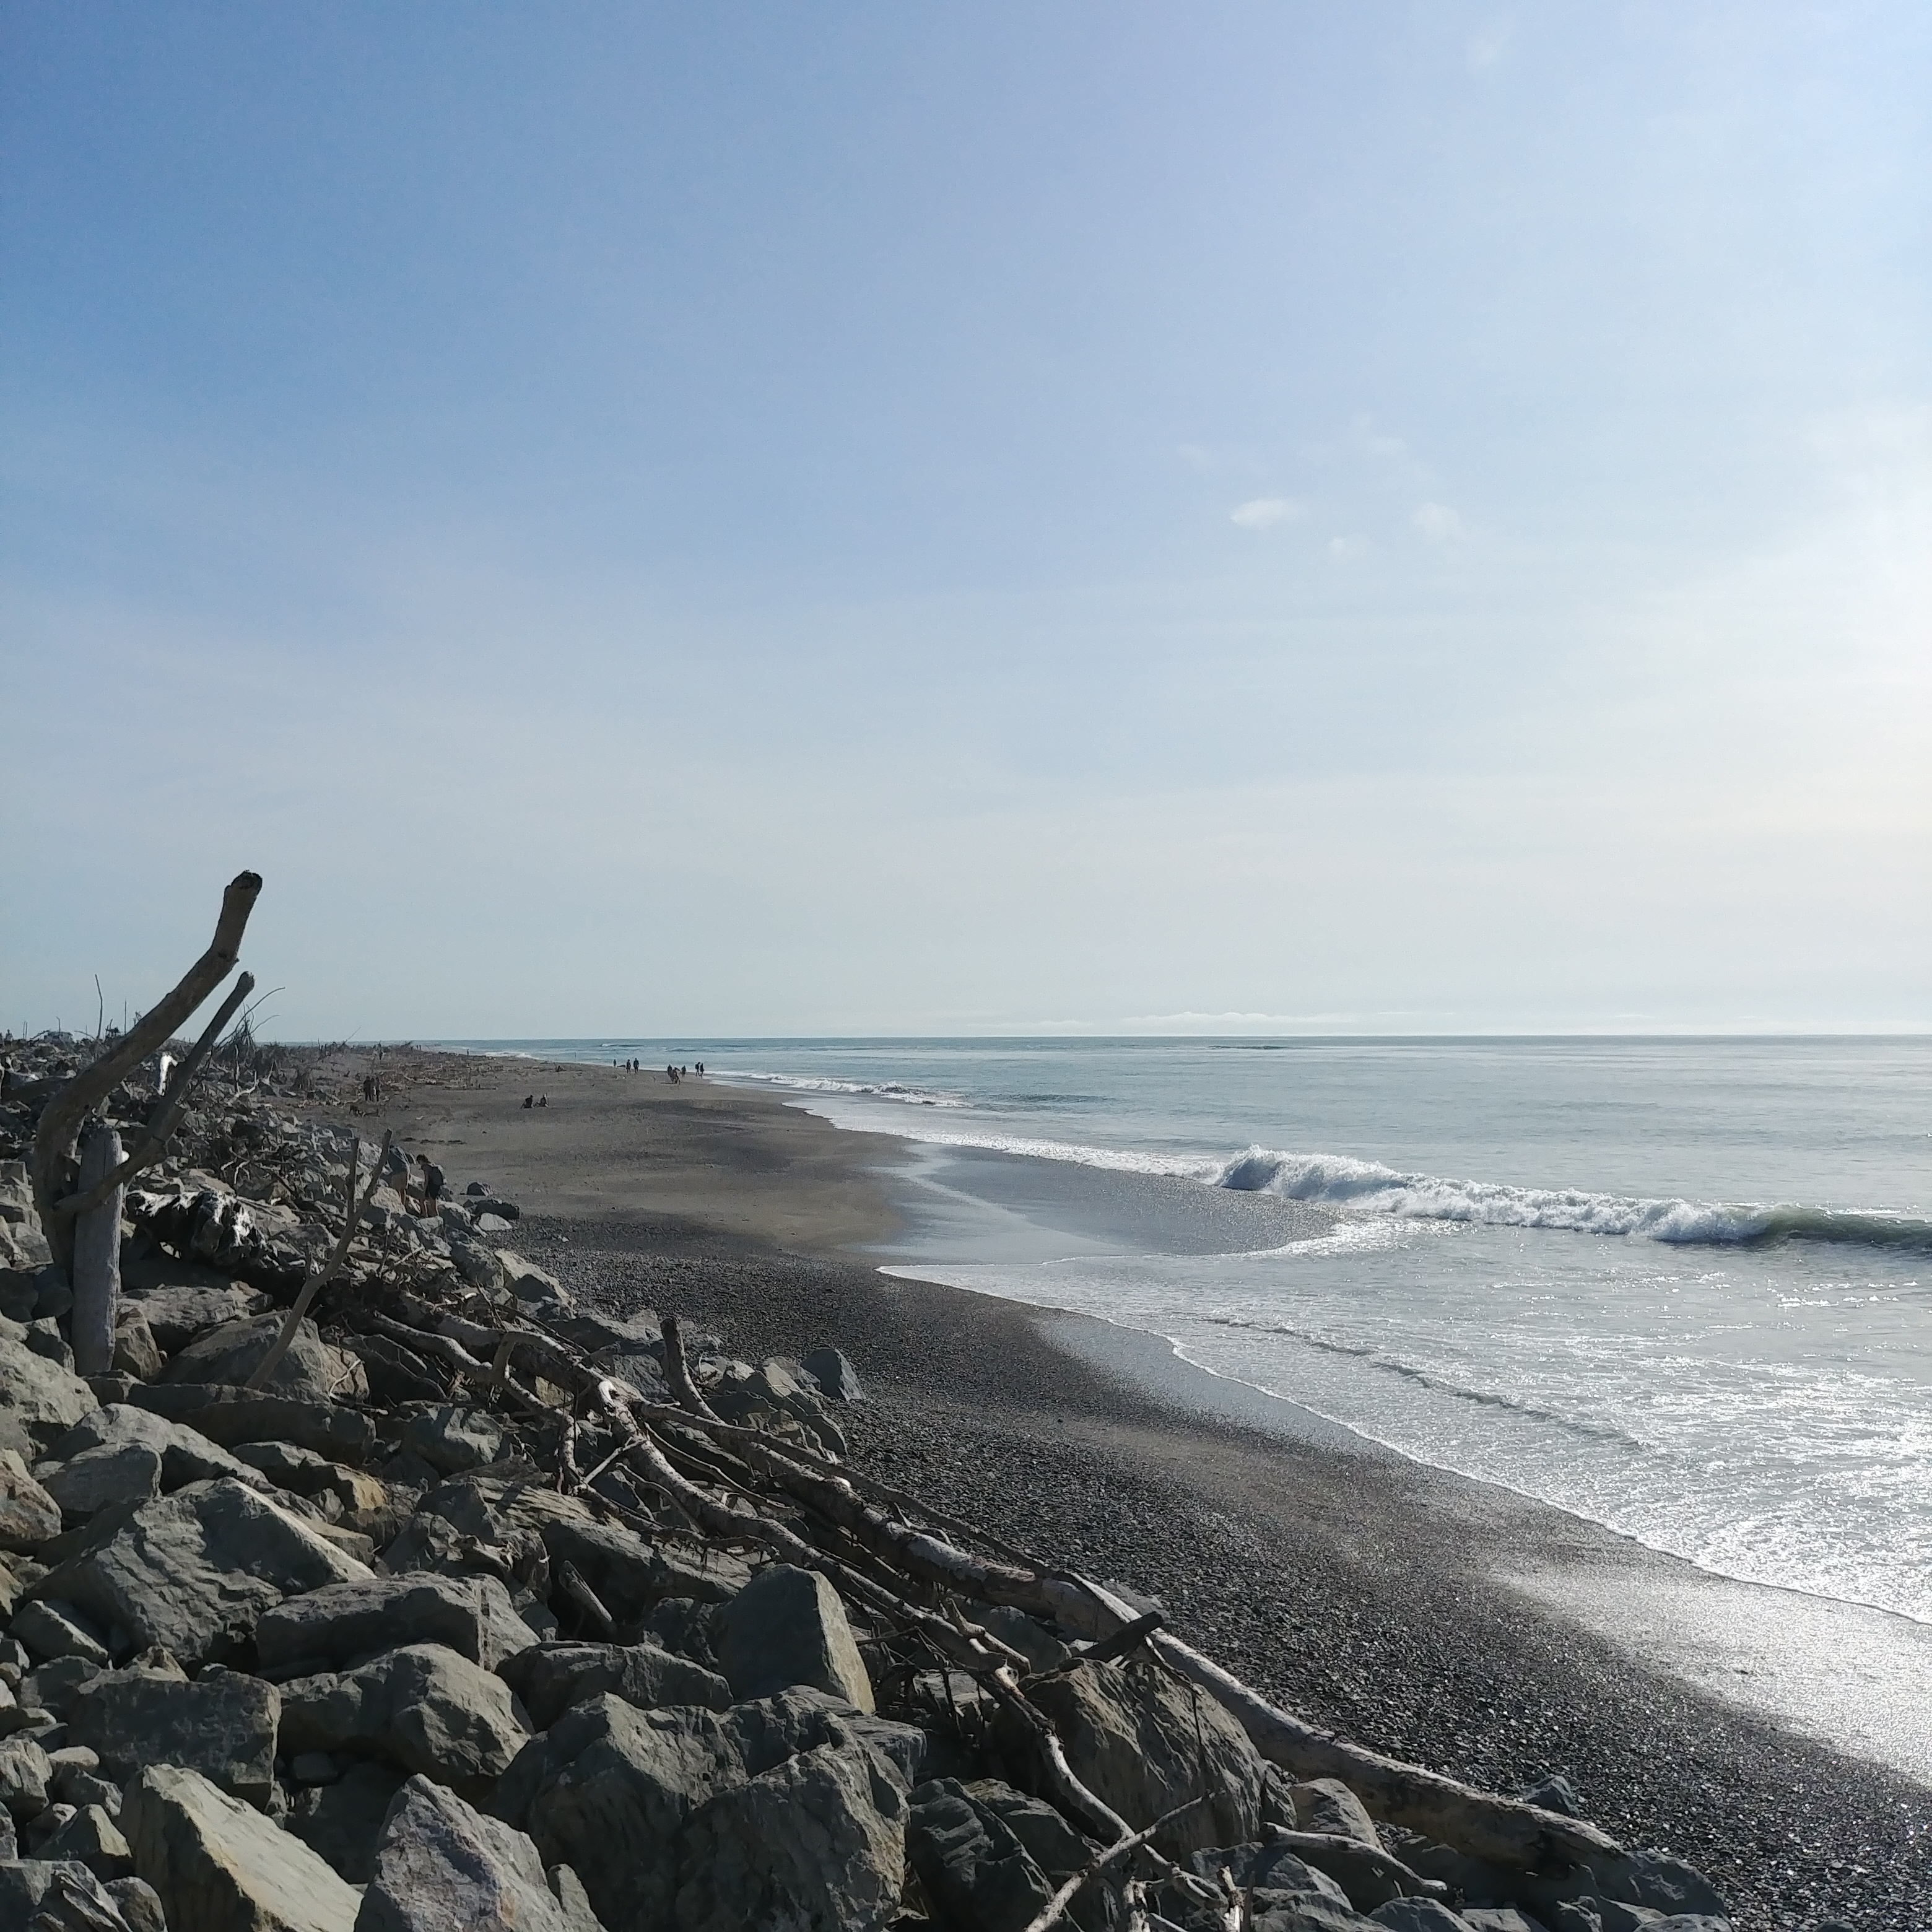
x=1366, y=1187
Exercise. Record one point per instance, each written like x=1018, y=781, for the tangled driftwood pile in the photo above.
x=353, y=1576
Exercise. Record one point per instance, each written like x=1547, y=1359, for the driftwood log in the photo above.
x=96, y=1265
x=850, y=1507
x=60, y=1120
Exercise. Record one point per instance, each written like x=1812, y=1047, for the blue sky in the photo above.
x=731, y=519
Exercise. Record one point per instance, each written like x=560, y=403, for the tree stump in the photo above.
x=96, y=1258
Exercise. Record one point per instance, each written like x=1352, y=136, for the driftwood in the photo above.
x=352, y=1211
x=60, y=1121
x=96, y=1266
x=677, y=1370
x=154, y=1143
x=1480, y=1824
x=1049, y=1913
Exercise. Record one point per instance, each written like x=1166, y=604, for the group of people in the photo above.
x=672, y=1074
x=425, y=1198
x=536, y=1099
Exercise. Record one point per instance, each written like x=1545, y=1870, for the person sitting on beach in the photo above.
x=529, y=1099
x=431, y=1189
x=543, y=1100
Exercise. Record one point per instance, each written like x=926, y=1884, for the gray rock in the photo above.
x=50, y=1895
x=91, y=1837
x=1034, y=1642
x=441, y=1864
x=220, y=1867
x=627, y=1573
x=787, y=1626
x=1498, y=1918
x=342, y=1823
x=139, y=1903
x=768, y=1730
x=1269, y=1868
x=397, y=1374
x=572, y=1901
x=28, y=1516
x=136, y=1352
x=974, y=1871
x=344, y=1623
x=52, y=1627
x=1134, y=1738
x=1418, y=1915
x=311, y=1371
x=227, y=1415
x=25, y=1775
x=551, y=1677
x=187, y=1456
x=423, y=1708
x=223, y=1725
x=40, y=1400
x=177, y=1312
x=194, y=1571
x=1326, y=1805
x=1556, y=1793
x=818, y=1840
x=611, y=1787
x=128, y=1472
x=44, y=1337
x=1306, y=1911
x=834, y=1377
x=1050, y=1842
x=56, y=1685
x=452, y=1440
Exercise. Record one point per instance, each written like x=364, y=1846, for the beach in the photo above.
x=1447, y=1621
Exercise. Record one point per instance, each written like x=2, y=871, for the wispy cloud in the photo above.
x=1347, y=549
x=1267, y=513
x=1487, y=47
x=1439, y=524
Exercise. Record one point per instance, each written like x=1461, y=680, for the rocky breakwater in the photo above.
x=377, y=1583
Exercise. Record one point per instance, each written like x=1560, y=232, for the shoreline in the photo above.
x=1446, y=1621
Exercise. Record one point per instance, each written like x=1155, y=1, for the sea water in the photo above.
x=1683, y=1288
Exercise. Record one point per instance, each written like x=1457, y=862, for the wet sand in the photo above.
x=1779, y=1742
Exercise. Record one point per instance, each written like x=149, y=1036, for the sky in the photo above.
x=736, y=520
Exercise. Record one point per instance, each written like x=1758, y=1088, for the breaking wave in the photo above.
x=1365, y=1187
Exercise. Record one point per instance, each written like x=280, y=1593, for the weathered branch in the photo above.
x=60, y=1121
x=677, y=1370
x=96, y=1266
x=1051, y=1910
x=154, y=1143
x=352, y=1214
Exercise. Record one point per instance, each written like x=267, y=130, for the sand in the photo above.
x=1779, y=1742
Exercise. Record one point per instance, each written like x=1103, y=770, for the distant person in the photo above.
x=431, y=1188
x=543, y=1099
x=529, y=1099
x=700, y=1069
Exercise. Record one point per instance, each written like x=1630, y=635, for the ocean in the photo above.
x=1681, y=1287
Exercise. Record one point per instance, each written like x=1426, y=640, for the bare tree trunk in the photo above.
x=60, y=1120
x=97, y=1259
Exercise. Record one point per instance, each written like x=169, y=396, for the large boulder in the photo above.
x=609, y=1791
x=628, y=1574
x=423, y=1707
x=228, y=1415
x=1141, y=1745
x=975, y=1874
x=185, y=1455
x=39, y=1401
x=768, y=1730
x=344, y=1623
x=29, y=1517
x=551, y=1677
x=311, y=1370
x=194, y=1571
x=91, y=1837
x=223, y=1725
x=58, y=1895
x=786, y=1627
x=87, y=1483
x=221, y=1867
x=25, y=1775
x=817, y=1841
x=441, y=1865
x=178, y=1311
x=451, y=1439
x=342, y=1823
